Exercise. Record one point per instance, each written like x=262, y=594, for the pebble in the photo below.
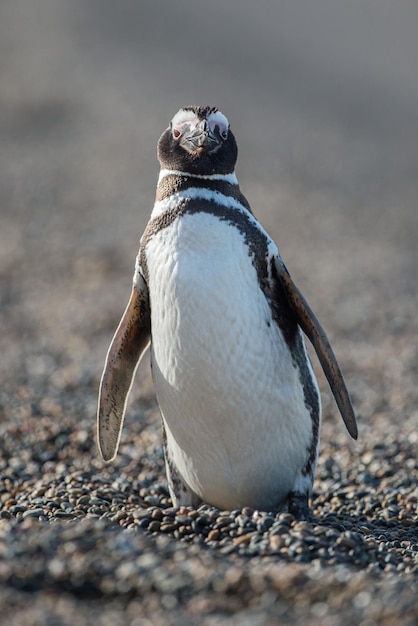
x=214, y=534
x=32, y=513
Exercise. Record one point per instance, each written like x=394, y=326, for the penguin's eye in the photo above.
x=181, y=128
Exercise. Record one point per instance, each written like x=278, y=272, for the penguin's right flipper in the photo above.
x=129, y=343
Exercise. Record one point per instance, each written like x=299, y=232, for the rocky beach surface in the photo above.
x=82, y=103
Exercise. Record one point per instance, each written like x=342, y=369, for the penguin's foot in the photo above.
x=180, y=493
x=299, y=505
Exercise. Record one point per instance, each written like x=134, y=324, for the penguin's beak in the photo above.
x=200, y=138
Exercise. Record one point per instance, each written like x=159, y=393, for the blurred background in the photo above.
x=323, y=99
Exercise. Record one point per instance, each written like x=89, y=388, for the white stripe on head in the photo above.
x=190, y=117
x=182, y=116
x=218, y=119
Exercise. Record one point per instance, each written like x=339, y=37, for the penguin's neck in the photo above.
x=175, y=184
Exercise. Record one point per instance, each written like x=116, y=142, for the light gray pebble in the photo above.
x=32, y=513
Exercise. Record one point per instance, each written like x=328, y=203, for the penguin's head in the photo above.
x=198, y=141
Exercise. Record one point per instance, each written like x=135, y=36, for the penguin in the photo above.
x=239, y=401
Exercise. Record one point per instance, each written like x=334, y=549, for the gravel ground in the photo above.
x=329, y=164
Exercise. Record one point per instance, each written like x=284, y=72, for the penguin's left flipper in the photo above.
x=129, y=343
x=312, y=328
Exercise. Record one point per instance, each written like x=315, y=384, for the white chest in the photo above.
x=230, y=394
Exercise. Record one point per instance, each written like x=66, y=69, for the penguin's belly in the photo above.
x=230, y=394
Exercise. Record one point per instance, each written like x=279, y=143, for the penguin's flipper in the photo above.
x=129, y=343
x=312, y=328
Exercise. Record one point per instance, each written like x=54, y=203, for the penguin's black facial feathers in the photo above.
x=198, y=141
